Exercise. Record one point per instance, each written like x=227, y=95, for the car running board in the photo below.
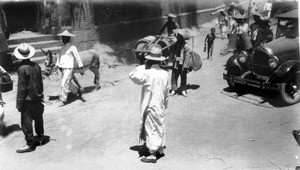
x=247, y=99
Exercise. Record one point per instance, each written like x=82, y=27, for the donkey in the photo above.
x=90, y=60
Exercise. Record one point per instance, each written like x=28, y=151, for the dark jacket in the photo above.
x=171, y=25
x=30, y=84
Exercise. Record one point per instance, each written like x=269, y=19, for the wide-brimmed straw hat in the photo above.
x=24, y=51
x=239, y=16
x=155, y=54
x=66, y=33
x=186, y=34
x=170, y=15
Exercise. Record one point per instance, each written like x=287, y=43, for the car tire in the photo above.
x=290, y=90
x=232, y=85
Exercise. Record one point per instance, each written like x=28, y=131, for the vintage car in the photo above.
x=273, y=66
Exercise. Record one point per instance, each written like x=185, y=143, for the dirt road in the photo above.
x=206, y=130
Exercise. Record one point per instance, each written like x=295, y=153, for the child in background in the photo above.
x=209, y=43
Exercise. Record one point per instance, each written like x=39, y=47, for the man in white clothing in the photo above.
x=66, y=63
x=155, y=96
x=268, y=7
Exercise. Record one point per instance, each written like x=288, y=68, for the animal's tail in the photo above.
x=96, y=58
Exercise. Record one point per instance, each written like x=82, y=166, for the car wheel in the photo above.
x=290, y=90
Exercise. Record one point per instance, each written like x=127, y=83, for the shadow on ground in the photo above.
x=6, y=130
x=265, y=96
x=141, y=149
x=192, y=86
x=144, y=152
x=46, y=139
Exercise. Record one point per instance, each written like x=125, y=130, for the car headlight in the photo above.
x=273, y=62
x=243, y=57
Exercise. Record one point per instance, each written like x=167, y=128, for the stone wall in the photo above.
x=120, y=20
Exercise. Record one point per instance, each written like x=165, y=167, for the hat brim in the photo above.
x=186, y=34
x=20, y=56
x=67, y=34
x=149, y=57
x=171, y=16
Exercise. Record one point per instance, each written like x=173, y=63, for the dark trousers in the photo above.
x=175, y=74
x=34, y=111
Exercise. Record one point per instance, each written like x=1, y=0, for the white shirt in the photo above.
x=68, y=56
x=268, y=7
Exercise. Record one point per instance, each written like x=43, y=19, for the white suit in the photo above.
x=154, y=101
x=66, y=61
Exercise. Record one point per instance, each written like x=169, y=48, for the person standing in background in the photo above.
x=222, y=22
x=254, y=8
x=170, y=25
x=180, y=66
x=3, y=44
x=268, y=8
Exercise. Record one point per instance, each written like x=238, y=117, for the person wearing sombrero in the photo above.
x=243, y=41
x=231, y=10
x=68, y=58
x=30, y=97
x=180, y=66
x=170, y=25
x=154, y=102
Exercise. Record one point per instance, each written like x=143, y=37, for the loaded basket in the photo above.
x=144, y=45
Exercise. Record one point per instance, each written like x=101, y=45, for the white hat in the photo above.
x=170, y=15
x=155, y=54
x=24, y=51
x=66, y=33
x=186, y=34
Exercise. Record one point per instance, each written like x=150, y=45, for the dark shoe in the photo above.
x=149, y=160
x=26, y=148
x=159, y=155
x=40, y=141
x=79, y=93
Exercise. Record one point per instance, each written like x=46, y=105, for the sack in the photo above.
x=195, y=61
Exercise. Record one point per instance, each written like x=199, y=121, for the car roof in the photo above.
x=290, y=14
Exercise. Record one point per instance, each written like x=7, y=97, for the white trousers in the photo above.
x=66, y=84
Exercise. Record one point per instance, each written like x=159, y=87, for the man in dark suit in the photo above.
x=30, y=97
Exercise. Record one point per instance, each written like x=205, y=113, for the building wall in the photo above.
x=120, y=20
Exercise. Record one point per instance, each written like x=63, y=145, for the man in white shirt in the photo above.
x=268, y=8
x=68, y=58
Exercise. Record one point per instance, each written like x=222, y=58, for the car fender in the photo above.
x=288, y=68
x=233, y=65
x=285, y=70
